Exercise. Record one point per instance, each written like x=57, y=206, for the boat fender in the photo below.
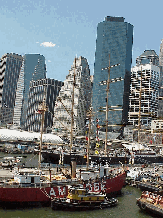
x=143, y=206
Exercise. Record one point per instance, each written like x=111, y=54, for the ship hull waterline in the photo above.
x=41, y=195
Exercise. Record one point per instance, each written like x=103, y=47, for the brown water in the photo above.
x=126, y=208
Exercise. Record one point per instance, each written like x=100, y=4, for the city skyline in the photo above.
x=60, y=32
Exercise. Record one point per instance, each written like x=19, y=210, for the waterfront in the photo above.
x=126, y=208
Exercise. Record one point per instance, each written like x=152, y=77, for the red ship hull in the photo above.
x=115, y=184
x=44, y=195
x=110, y=186
x=31, y=195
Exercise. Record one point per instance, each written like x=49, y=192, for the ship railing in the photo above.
x=25, y=185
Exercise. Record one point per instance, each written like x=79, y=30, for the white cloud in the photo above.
x=49, y=60
x=47, y=44
x=37, y=42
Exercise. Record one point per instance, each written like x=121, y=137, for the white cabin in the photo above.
x=27, y=178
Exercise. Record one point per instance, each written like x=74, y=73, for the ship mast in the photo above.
x=41, y=109
x=89, y=134
x=72, y=109
x=139, y=115
x=107, y=109
x=107, y=83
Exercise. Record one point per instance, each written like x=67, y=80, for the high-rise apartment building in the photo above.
x=10, y=66
x=161, y=54
x=33, y=68
x=82, y=99
x=144, y=88
x=114, y=38
x=40, y=89
x=160, y=101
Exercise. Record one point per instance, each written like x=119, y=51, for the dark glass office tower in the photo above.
x=38, y=90
x=114, y=37
x=10, y=66
x=33, y=68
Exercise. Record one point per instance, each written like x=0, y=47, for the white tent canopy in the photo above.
x=15, y=135
x=134, y=146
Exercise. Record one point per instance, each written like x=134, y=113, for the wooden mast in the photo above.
x=107, y=82
x=107, y=93
x=72, y=109
x=41, y=110
x=89, y=134
x=139, y=115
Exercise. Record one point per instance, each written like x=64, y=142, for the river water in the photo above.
x=126, y=208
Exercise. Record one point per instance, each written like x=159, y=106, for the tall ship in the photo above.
x=78, y=119
x=56, y=157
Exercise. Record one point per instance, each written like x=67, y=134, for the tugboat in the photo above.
x=151, y=203
x=82, y=199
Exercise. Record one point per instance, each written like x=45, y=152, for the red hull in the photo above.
x=115, y=184
x=112, y=185
x=43, y=195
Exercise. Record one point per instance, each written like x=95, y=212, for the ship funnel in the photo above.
x=73, y=168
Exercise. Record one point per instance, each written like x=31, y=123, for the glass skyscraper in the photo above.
x=48, y=88
x=33, y=68
x=114, y=37
x=10, y=65
x=160, y=102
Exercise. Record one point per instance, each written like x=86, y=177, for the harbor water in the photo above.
x=126, y=208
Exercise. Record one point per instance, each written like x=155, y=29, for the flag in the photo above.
x=98, y=126
x=97, y=145
x=38, y=112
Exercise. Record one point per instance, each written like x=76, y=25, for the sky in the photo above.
x=61, y=30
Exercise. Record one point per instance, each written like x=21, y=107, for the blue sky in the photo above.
x=71, y=28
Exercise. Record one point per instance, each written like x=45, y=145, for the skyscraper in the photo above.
x=10, y=66
x=33, y=68
x=48, y=88
x=114, y=37
x=82, y=99
x=160, y=101
x=161, y=54
x=145, y=74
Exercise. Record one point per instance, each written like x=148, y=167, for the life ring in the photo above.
x=143, y=206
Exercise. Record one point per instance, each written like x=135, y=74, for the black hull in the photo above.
x=150, y=208
x=148, y=159
x=50, y=157
x=54, y=158
x=147, y=187
x=60, y=205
